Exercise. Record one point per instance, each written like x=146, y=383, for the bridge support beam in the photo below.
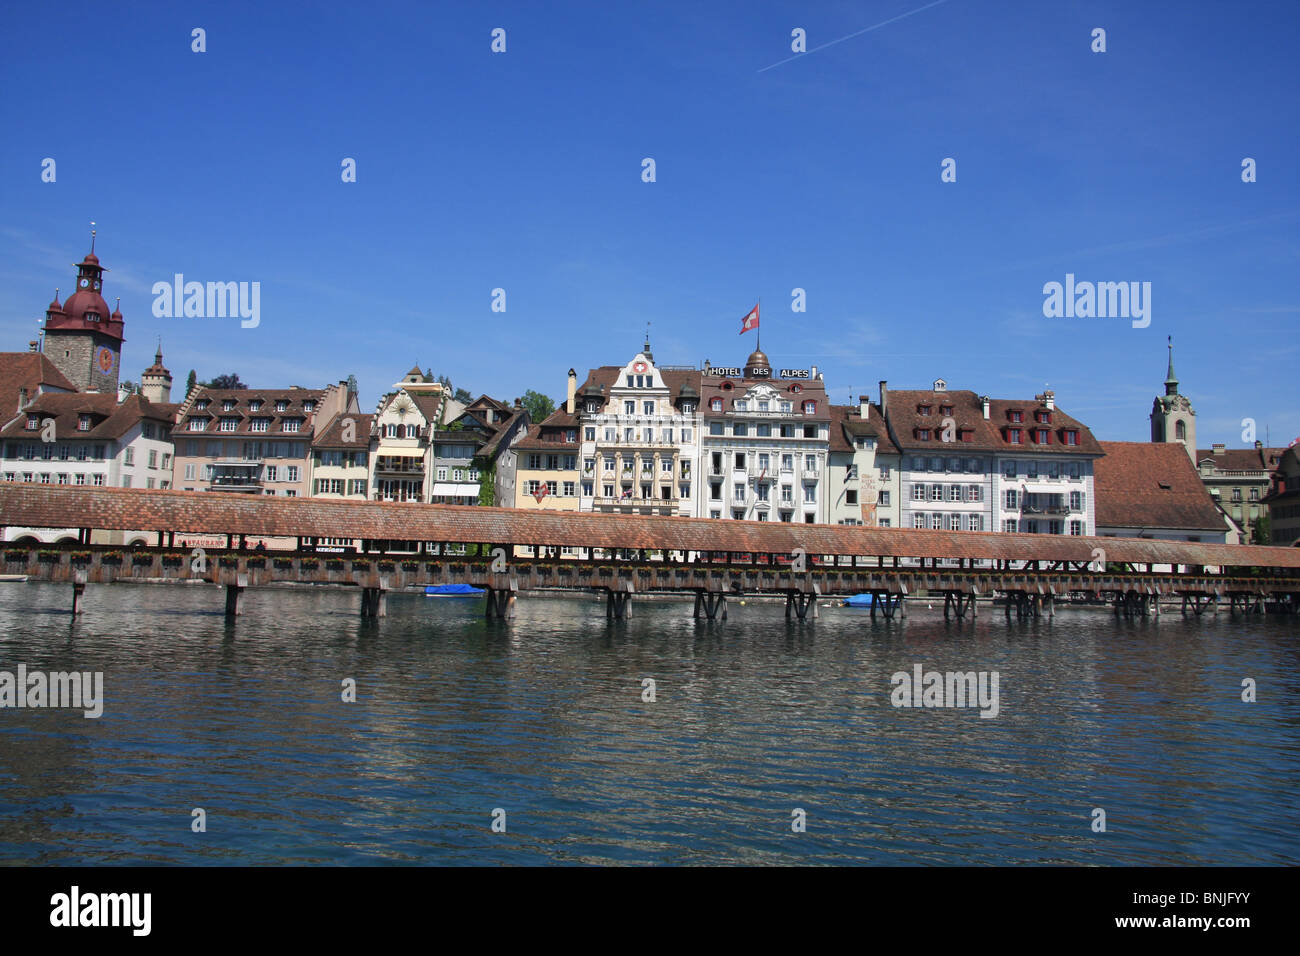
x=889, y=602
x=800, y=603
x=618, y=605
x=233, y=592
x=78, y=592
x=500, y=603
x=713, y=604
x=958, y=603
x=374, y=602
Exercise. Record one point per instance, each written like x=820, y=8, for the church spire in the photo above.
x=1171, y=380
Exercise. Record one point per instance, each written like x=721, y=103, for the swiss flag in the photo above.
x=750, y=321
x=542, y=492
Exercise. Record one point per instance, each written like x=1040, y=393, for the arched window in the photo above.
x=1180, y=430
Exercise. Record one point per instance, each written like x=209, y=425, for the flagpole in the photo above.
x=760, y=323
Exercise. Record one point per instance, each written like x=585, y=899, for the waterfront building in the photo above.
x=975, y=463
x=546, y=475
x=764, y=443
x=1151, y=490
x=90, y=439
x=640, y=437
x=464, y=452
x=1283, y=499
x=340, y=448
x=400, y=451
x=250, y=440
x=1239, y=479
x=862, y=471
x=1172, y=417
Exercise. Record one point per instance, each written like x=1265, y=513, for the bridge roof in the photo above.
x=134, y=509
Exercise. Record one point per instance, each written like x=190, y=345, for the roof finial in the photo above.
x=92, y=237
x=647, y=338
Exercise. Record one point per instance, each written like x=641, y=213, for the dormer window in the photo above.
x=1042, y=436
x=83, y=423
x=281, y=405
x=1043, y=417
x=198, y=424
x=742, y=405
x=1070, y=436
x=1015, y=416
x=923, y=410
x=715, y=404
x=1013, y=436
x=202, y=405
x=91, y=316
x=255, y=405
x=945, y=409
x=688, y=407
x=923, y=434
x=33, y=422
x=810, y=407
x=228, y=405
x=309, y=406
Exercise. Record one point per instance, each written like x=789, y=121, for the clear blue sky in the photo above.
x=522, y=170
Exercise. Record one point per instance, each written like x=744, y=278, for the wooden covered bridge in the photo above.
x=380, y=547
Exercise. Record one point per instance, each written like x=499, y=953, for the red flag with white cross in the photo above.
x=750, y=321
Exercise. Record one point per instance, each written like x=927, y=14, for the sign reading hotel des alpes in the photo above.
x=795, y=373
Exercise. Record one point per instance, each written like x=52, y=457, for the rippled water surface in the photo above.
x=544, y=718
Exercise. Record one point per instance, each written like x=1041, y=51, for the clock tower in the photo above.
x=82, y=338
x=1172, y=417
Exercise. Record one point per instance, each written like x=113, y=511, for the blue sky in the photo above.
x=522, y=170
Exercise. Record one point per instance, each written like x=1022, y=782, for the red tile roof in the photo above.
x=1242, y=459
x=53, y=506
x=1150, y=485
x=109, y=420
x=30, y=371
x=972, y=431
x=244, y=414
x=330, y=433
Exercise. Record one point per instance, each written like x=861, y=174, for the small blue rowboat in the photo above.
x=453, y=590
x=858, y=600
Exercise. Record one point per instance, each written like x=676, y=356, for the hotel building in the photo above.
x=765, y=443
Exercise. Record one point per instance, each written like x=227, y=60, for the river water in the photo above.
x=542, y=725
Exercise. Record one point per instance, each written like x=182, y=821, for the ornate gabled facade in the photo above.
x=640, y=437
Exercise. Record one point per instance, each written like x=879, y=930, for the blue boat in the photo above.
x=859, y=600
x=453, y=590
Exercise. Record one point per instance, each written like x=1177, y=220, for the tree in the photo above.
x=1261, y=533
x=129, y=387
x=227, y=381
x=487, y=484
x=463, y=396
x=191, y=381
x=538, y=405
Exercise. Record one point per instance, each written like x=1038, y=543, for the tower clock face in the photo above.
x=96, y=285
x=83, y=283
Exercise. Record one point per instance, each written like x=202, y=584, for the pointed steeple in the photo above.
x=646, y=349
x=1171, y=380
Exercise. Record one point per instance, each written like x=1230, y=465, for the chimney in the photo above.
x=1219, y=448
x=815, y=376
x=573, y=391
x=984, y=401
x=31, y=346
x=864, y=407
x=884, y=397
